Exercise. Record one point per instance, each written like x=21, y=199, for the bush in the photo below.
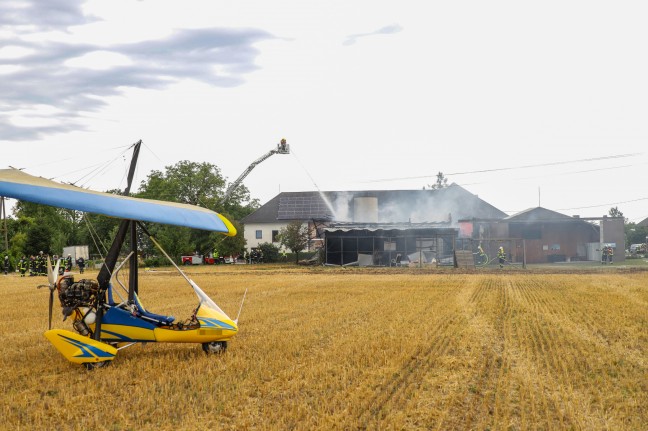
x=270, y=252
x=155, y=261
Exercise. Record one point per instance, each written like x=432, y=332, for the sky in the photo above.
x=524, y=104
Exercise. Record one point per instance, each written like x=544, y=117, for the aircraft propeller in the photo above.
x=51, y=278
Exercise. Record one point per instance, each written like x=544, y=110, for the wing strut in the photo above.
x=106, y=271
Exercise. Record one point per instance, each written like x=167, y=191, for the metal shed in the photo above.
x=380, y=244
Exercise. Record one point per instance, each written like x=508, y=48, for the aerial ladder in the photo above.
x=282, y=148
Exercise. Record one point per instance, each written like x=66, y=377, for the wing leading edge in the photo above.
x=19, y=185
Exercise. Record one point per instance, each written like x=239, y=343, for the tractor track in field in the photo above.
x=486, y=403
x=555, y=355
x=474, y=404
x=543, y=353
x=405, y=382
x=500, y=398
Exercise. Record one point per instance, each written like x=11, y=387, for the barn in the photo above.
x=383, y=223
x=540, y=235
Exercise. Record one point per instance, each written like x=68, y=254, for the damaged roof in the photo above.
x=442, y=205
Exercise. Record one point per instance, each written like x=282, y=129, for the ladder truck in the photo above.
x=282, y=148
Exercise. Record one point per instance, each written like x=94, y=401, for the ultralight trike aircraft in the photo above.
x=106, y=315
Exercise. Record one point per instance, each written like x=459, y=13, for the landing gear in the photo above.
x=94, y=365
x=214, y=347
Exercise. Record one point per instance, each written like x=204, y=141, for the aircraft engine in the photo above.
x=78, y=295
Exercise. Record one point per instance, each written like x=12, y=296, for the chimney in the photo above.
x=365, y=210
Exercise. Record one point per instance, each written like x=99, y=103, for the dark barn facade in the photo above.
x=374, y=244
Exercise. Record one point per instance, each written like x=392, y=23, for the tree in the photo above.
x=229, y=245
x=635, y=234
x=38, y=239
x=614, y=212
x=97, y=231
x=441, y=182
x=295, y=237
x=175, y=240
x=46, y=228
x=270, y=252
x=203, y=185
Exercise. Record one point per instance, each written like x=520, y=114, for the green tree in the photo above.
x=175, y=240
x=97, y=231
x=635, y=234
x=38, y=238
x=295, y=237
x=229, y=245
x=203, y=185
x=45, y=227
x=614, y=212
x=186, y=182
x=270, y=252
x=441, y=182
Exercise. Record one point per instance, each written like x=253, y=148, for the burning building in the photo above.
x=378, y=226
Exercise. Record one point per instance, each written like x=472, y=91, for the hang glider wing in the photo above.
x=19, y=185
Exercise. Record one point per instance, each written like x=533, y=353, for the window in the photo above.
x=532, y=233
x=259, y=234
x=275, y=236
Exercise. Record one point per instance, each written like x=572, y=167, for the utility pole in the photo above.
x=3, y=217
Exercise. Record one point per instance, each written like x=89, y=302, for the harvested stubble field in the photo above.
x=323, y=348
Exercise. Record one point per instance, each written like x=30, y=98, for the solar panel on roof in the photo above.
x=303, y=208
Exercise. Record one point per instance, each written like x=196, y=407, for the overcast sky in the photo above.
x=521, y=103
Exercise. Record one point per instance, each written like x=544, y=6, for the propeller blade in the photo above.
x=52, y=275
x=51, y=303
x=50, y=272
x=56, y=270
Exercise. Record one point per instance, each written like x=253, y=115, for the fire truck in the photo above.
x=197, y=259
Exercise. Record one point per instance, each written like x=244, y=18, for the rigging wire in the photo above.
x=93, y=174
x=204, y=205
x=60, y=161
x=93, y=234
x=509, y=168
x=554, y=174
x=604, y=205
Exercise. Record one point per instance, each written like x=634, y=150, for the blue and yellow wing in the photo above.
x=19, y=185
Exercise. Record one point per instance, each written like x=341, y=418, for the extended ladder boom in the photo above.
x=282, y=148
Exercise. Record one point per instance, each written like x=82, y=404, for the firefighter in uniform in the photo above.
x=40, y=264
x=23, y=264
x=501, y=255
x=610, y=253
x=61, y=261
x=81, y=263
x=605, y=254
x=68, y=263
x=6, y=264
x=481, y=256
